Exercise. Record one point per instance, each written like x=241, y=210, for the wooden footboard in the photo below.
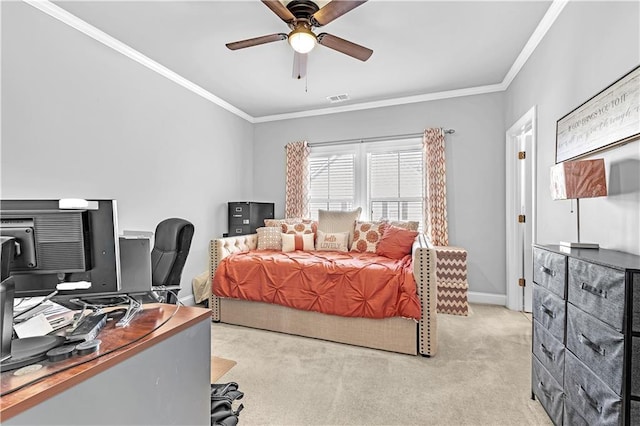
x=393, y=334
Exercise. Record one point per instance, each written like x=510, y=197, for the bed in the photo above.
x=415, y=336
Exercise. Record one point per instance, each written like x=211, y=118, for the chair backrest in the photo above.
x=170, y=249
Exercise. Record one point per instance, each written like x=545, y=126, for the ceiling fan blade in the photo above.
x=333, y=10
x=299, y=65
x=279, y=9
x=345, y=46
x=256, y=41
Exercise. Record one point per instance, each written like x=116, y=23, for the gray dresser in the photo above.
x=586, y=335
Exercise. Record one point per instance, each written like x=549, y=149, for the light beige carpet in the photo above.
x=219, y=367
x=480, y=376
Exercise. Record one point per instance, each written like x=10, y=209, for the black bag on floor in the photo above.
x=222, y=398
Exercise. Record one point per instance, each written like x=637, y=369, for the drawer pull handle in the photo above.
x=547, y=352
x=590, y=400
x=593, y=290
x=594, y=347
x=545, y=392
x=548, y=271
x=547, y=311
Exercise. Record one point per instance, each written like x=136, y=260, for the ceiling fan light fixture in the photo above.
x=302, y=40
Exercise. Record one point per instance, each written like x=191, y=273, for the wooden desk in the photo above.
x=160, y=378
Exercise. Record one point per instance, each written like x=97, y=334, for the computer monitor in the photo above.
x=7, y=289
x=6, y=317
x=64, y=245
x=7, y=250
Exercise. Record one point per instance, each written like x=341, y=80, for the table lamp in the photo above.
x=575, y=180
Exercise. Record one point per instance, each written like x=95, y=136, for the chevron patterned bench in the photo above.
x=451, y=276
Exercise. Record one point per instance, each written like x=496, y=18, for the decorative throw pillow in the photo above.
x=367, y=235
x=273, y=223
x=411, y=225
x=396, y=242
x=302, y=226
x=292, y=242
x=332, y=241
x=338, y=221
x=269, y=238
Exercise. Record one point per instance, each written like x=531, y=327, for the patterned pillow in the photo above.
x=269, y=238
x=303, y=226
x=332, y=241
x=273, y=223
x=269, y=223
x=367, y=235
x=292, y=242
x=405, y=224
x=338, y=221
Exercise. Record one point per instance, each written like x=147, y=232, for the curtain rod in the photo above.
x=376, y=138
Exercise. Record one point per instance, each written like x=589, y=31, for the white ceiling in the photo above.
x=420, y=48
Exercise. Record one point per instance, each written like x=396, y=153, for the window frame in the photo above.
x=360, y=150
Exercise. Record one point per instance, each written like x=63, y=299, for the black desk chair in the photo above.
x=170, y=250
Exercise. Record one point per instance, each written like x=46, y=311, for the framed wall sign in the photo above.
x=609, y=118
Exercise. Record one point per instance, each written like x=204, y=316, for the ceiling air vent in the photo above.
x=338, y=98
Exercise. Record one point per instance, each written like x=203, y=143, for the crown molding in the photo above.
x=538, y=34
x=73, y=21
x=385, y=103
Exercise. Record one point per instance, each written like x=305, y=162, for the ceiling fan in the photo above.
x=302, y=16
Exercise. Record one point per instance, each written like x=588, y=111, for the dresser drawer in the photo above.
x=549, y=310
x=547, y=390
x=635, y=367
x=572, y=417
x=549, y=351
x=598, y=290
x=589, y=395
x=635, y=413
x=549, y=271
x=597, y=345
x=635, y=282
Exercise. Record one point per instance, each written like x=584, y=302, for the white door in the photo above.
x=520, y=214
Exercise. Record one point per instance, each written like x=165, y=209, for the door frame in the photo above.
x=514, y=292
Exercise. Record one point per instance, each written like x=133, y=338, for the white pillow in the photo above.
x=292, y=242
x=338, y=221
x=332, y=241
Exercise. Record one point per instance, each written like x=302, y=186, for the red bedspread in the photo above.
x=339, y=283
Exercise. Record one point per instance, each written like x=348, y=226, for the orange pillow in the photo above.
x=396, y=242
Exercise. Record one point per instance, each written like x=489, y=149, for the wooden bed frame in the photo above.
x=392, y=334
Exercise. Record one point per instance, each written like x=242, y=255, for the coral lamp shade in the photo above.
x=578, y=179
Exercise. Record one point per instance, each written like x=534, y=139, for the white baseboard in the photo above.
x=487, y=298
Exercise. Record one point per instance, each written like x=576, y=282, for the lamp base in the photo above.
x=579, y=245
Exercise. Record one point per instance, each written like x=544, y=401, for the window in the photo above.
x=332, y=179
x=385, y=178
x=395, y=185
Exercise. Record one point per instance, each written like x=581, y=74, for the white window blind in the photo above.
x=384, y=178
x=395, y=185
x=332, y=182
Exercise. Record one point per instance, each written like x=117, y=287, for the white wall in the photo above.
x=475, y=167
x=81, y=120
x=591, y=45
